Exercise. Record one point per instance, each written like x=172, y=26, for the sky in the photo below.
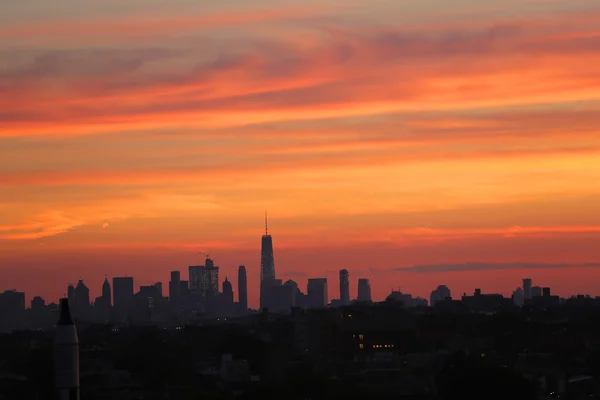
x=412, y=142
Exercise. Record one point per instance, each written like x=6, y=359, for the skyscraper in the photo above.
x=81, y=305
x=364, y=290
x=106, y=294
x=527, y=288
x=211, y=278
x=344, y=287
x=317, y=292
x=122, y=297
x=175, y=288
x=242, y=289
x=196, y=277
x=267, y=268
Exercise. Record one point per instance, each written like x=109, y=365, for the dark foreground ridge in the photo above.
x=367, y=351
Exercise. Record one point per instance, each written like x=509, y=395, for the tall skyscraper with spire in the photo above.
x=267, y=267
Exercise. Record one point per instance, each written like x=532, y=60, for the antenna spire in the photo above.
x=266, y=224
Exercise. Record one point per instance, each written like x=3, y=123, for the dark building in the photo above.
x=211, y=279
x=267, y=268
x=439, y=294
x=106, y=294
x=211, y=287
x=147, y=302
x=102, y=304
x=242, y=290
x=227, y=299
x=317, y=292
x=12, y=310
x=175, y=289
x=196, y=277
x=66, y=355
x=122, y=297
x=81, y=306
x=344, y=287
x=527, y=288
x=364, y=290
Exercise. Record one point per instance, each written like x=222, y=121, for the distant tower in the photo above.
x=527, y=288
x=317, y=292
x=267, y=268
x=106, y=296
x=344, y=287
x=122, y=297
x=364, y=290
x=66, y=355
x=227, y=291
x=82, y=300
x=242, y=289
x=175, y=288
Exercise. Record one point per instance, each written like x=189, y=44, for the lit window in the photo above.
x=361, y=346
x=361, y=337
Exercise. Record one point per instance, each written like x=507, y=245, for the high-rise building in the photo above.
x=289, y=293
x=106, y=294
x=211, y=278
x=364, y=290
x=196, y=277
x=227, y=298
x=81, y=305
x=317, y=292
x=122, y=297
x=440, y=293
x=175, y=289
x=344, y=287
x=267, y=268
x=527, y=288
x=242, y=289
x=518, y=298
x=102, y=304
x=158, y=286
x=66, y=355
x=536, y=291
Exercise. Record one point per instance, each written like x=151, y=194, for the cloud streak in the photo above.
x=258, y=81
x=479, y=267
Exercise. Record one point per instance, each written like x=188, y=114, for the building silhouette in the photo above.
x=242, y=290
x=81, y=305
x=267, y=269
x=175, y=290
x=122, y=297
x=196, y=278
x=66, y=355
x=227, y=298
x=344, y=287
x=527, y=288
x=106, y=293
x=439, y=294
x=364, y=290
x=317, y=292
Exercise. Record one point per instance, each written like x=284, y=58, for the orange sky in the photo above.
x=135, y=134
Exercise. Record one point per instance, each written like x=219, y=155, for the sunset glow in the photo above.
x=378, y=135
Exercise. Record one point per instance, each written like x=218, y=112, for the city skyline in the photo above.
x=414, y=143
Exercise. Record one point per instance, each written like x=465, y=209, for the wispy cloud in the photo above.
x=435, y=268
